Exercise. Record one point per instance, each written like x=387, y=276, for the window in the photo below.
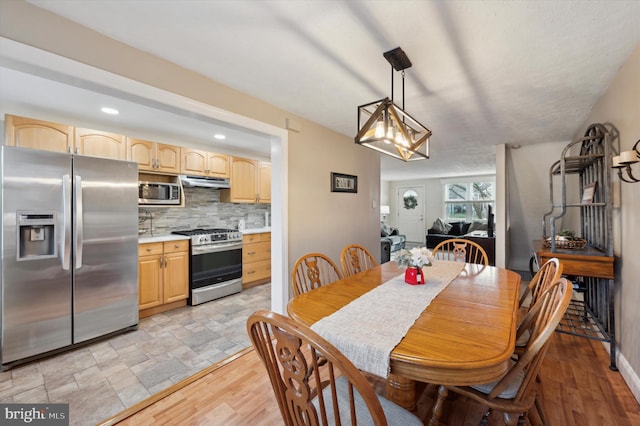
x=469, y=201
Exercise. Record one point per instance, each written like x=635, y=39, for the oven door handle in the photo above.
x=236, y=245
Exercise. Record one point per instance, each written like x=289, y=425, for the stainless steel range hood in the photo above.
x=204, y=182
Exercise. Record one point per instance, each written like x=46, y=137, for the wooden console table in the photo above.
x=589, y=262
x=593, y=317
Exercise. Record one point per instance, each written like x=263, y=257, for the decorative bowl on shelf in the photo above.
x=568, y=243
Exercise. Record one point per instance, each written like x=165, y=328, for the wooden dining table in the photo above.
x=465, y=336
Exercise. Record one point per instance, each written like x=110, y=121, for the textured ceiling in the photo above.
x=484, y=72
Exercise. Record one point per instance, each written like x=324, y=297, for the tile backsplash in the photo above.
x=202, y=209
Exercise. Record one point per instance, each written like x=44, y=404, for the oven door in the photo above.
x=215, y=264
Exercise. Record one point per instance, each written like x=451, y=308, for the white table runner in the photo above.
x=369, y=327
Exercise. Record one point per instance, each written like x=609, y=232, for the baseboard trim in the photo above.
x=630, y=377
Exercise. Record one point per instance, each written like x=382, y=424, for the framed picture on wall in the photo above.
x=589, y=192
x=344, y=183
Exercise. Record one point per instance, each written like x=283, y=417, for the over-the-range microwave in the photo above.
x=158, y=193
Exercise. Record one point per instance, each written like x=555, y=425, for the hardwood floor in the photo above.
x=578, y=389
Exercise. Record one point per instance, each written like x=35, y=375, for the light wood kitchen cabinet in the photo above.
x=250, y=182
x=96, y=143
x=256, y=259
x=203, y=163
x=163, y=276
x=264, y=182
x=37, y=134
x=154, y=156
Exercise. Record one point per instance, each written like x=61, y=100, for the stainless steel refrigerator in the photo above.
x=69, y=250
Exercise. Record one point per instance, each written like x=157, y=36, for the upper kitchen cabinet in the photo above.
x=264, y=182
x=37, y=134
x=250, y=182
x=202, y=163
x=96, y=143
x=153, y=156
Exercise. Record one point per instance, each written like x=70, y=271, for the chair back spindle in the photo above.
x=313, y=270
x=356, y=258
x=548, y=274
x=461, y=250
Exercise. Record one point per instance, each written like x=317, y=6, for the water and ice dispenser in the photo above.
x=36, y=235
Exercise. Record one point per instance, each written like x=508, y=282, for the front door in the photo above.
x=411, y=213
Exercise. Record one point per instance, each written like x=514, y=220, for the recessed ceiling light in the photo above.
x=219, y=136
x=110, y=111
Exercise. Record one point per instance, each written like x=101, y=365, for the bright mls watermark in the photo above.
x=34, y=414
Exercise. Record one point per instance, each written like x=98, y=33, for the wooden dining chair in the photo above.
x=355, y=258
x=313, y=270
x=311, y=392
x=461, y=250
x=548, y=274
x=519, y=390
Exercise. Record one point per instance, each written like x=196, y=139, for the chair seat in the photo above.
x=395, y=414
x=523, y=339
x=509, y=392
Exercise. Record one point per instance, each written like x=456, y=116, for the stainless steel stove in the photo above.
x=213, y=236
x=216, y=263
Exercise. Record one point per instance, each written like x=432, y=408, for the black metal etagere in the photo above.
x=589, y=158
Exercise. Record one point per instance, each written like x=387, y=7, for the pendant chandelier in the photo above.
x=389, y=129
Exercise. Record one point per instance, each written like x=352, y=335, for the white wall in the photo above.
x=529, y=198
x=502, y=216
x=620, y=106
x=325, y=221
x=384, y=192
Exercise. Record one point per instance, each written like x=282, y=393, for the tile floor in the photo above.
x=102, y=379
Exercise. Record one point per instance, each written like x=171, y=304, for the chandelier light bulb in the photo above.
x=390, y=133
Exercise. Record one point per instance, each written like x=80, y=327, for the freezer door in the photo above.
x=36, y=289
x=106, y=246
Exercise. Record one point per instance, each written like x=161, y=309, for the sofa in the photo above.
x=473, y=231
x=441, y=231
x=390, y=241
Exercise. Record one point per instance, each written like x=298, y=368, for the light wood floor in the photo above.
x=578, y=389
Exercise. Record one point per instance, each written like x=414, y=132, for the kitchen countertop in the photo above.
x=256, y=230
x=161, y=238
x=173, y=237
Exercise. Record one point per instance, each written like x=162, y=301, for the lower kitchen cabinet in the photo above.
x=256, y=259
x=163, y=276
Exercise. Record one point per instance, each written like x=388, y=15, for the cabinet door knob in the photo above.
x=148, y=248
x=177, y=245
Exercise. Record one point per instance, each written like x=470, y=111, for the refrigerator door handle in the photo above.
x=66, y=202
x=79, y=223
